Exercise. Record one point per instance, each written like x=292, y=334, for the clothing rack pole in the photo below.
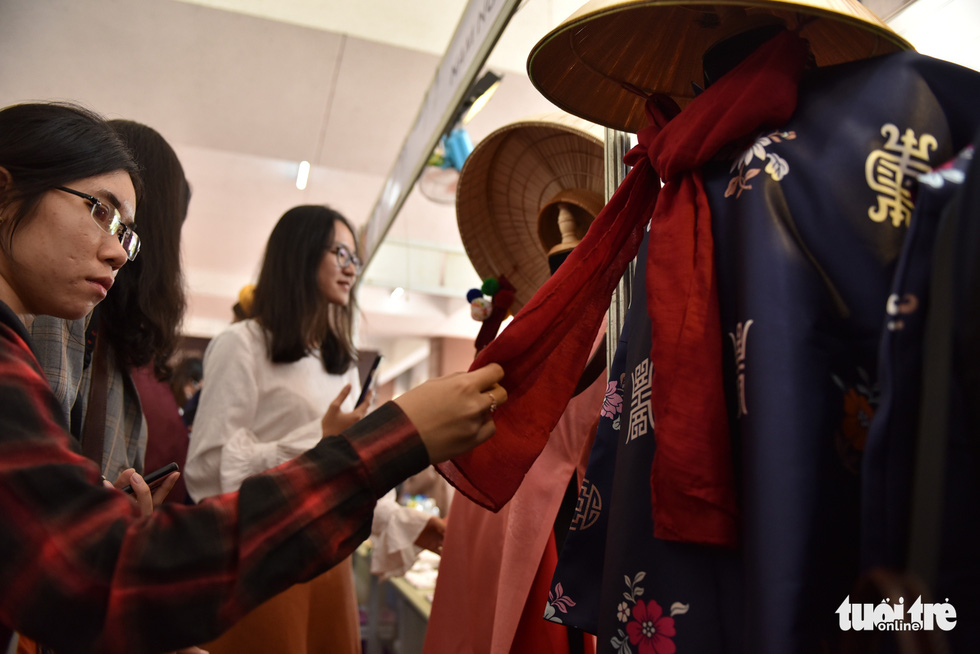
x=617, y=144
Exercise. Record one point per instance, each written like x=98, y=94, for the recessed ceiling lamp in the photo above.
x=302, y=175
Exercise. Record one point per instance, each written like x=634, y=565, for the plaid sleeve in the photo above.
x=81, y=571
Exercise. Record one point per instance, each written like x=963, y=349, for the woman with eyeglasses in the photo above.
x=108, y=359
x=103, y=358
x=276, y=384
x=81, y=569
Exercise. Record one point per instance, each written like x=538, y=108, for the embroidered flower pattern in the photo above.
x=860, y=400
x=635, y=589
x=776, y=167
x=857, y=419
x=557, y=601
x=650, y=630
x=612, y=405
x=621, y=643
x=645, y=625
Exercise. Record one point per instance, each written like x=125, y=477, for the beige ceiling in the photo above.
x=245, y=89
x=244, y=98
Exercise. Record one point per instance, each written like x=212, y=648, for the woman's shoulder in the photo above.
x=249, y=329
x=247, y=335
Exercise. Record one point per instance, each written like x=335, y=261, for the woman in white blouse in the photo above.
x=276, y=384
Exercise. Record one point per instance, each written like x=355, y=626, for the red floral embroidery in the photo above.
x=651, y=630
x=857, y=418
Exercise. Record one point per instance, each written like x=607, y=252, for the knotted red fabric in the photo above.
x=502, y=300
x=544, y=350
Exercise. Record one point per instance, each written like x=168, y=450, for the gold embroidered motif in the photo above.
x=891, y=171
x=589, y=507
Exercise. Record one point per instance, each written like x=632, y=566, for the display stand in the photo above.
x=617, y=144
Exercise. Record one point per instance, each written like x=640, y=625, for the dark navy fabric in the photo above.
x=807, y=249
x=613, y=564
x=574, y=598
x=809, y=222
x=959, y=564
x=888, y=455
x=932, y=364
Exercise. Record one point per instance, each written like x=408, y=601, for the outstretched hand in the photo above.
x=454, y=414
x=335, y=420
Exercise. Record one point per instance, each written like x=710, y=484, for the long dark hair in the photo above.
x=142, y=314
x=46, y=145
x=288, y=302
x=189, y=370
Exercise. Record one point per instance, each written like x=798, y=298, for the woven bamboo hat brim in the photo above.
x=586, y=65
x=509, y=178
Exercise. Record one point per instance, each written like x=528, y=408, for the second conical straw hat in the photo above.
x=509, y=178
x=599, y=62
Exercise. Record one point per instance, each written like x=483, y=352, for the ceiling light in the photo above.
x=302, y=175
x=476, y=96
x=480, y=94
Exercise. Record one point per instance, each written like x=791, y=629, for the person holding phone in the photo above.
x=277, y=383
x=369, y=379
x=100, y=360
x=83, y=569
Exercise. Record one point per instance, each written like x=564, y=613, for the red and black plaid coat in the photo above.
x=81, y=570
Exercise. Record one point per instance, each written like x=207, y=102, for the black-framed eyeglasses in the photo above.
x=345, y=257
x=110, y=221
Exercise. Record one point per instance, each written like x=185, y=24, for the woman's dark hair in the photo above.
x=288, y=301
x=142, y=314
x=46, y=145
x=190, y=369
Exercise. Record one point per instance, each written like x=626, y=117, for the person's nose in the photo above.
x=113, y=252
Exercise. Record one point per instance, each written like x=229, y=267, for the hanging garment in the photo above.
x=613, y=575
x=496, y=567
x=544, y=349
x=808, y=222
x=888, y=460
x=922, y=454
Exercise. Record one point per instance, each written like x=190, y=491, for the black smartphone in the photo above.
x=369, y=379
x=155, y=478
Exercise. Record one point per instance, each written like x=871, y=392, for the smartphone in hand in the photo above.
x=156, y=477
x=369, y=380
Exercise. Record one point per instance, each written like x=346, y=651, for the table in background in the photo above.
x=397, y=609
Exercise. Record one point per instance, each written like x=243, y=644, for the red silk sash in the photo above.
x=546, y=347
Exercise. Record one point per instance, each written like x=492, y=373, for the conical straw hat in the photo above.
x=587, y=64
x=515, y=175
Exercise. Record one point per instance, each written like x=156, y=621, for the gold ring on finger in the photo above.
x=493, y=402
